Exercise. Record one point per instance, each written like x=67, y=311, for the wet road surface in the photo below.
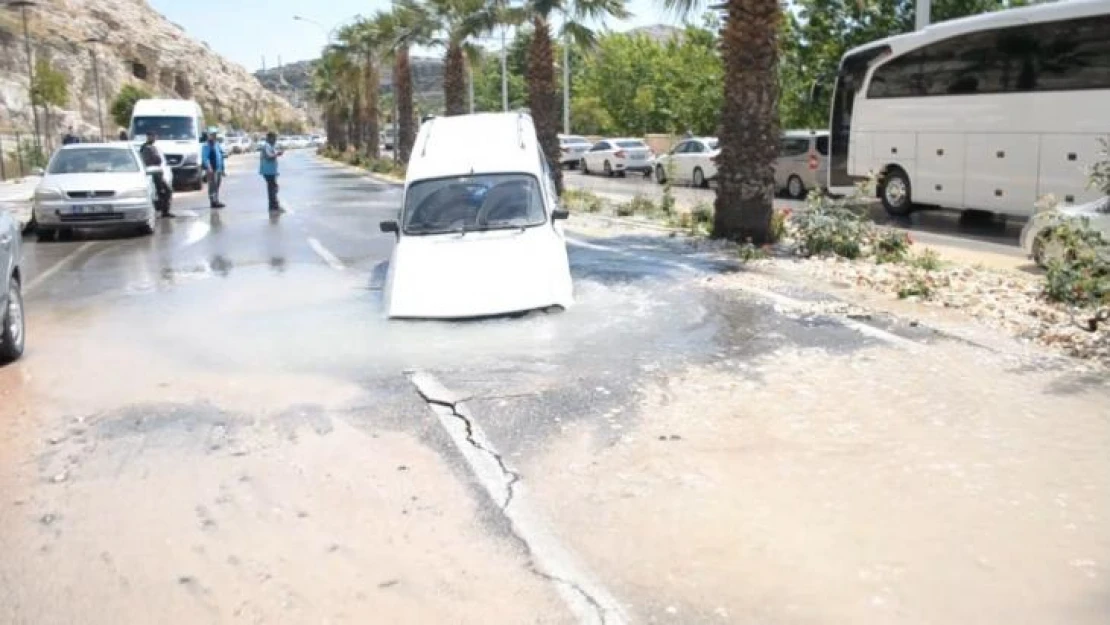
x=215, y=424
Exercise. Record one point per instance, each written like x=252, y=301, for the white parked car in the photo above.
x=12, y=328
x=616, y=156
x=1036, y=236
x=571, y=149
x=479, y=231
x=691, y=161
x=94, y=185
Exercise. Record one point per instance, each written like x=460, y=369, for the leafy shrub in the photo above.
x=638, y=204
x=890, y=246
x=778, y=223
x=749, y=252
x=927, y=260
x=830, y=226
x=1080, y=276
x=702, y=213
x=578, y=199
x=916, y=285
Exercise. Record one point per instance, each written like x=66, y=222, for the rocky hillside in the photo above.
x=139, y=46
x=294, y=81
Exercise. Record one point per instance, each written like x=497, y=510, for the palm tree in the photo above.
x=748, y=127
x=542, y=88
x=459, y=21
x=332, y=78
x=408, y=24
x=363, y=41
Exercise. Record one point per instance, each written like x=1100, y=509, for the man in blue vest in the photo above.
x=268, y=166
x=213, y=160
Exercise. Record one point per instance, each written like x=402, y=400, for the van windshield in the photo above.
x=472, y=203
x=171, y=128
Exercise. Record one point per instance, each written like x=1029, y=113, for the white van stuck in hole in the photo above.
x=480, y=231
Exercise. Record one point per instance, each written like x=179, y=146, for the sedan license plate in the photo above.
x=89, y=209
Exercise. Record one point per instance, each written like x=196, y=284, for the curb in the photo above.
x=382, y=178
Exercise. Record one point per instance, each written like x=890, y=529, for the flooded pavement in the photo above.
x=216, y=424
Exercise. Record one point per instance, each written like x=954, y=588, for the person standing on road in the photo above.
x=268, y=167
x=152, y=158
x=69, y=137
x=212, y=158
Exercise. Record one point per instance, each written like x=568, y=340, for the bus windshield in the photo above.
x=849, y=81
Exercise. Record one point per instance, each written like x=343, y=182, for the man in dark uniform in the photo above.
x=152, y=158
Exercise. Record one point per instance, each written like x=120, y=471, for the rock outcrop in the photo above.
x=138, y=45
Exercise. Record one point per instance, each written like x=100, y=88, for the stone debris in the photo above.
x=1011, y=302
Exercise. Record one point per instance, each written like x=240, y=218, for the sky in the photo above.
x=246, y=31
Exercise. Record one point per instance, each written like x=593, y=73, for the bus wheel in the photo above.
x=894, y=191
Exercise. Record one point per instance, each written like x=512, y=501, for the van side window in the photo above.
x=823, y=145
x=793, y=147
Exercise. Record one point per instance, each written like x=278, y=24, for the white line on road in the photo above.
x=778, y=298
x=323, y=253
x=55, y=268
x=589, y=601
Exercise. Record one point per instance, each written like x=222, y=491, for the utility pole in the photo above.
x=470, y=85
x=504, y=73
x=922, y=14
x=23, y=5
x=566, y=83
x=92, y=41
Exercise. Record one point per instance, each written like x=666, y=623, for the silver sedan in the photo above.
x=94, y=185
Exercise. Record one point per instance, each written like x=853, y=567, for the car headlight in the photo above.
x=190, y=159
x=137, y=193
x=43, y=194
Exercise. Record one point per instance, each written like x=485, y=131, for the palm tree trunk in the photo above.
x=454, y=80
x=749, y=128
x=542, y=95
x=371, y=84
x=402, y=93
x=356, y=123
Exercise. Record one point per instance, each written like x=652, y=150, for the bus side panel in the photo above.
x=894, y=148
x=1002, y=173
x=940, y=169
x=1064, y=162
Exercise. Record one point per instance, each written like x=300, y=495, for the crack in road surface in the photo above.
x=526, y=527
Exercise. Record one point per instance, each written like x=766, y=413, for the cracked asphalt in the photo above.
x=216, y=425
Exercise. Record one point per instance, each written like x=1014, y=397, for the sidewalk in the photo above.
x=15, y=197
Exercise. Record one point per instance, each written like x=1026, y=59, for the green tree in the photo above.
x=51, y=86
x=817, y=33
x=460, y=21
x=542, y=89
x=124, y=103
x=408, y=24
x=333, y=88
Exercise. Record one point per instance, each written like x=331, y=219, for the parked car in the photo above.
x=12, y=323
x=803, y=162
x=617, y=156
x=94, y=185
x=479, y=231
x=387, y=138
x=691, y=161
x=1036, y=236
x=571, y=149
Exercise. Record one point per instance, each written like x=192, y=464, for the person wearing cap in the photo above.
x=268, y=167
x=153, y=158
x=212, y=158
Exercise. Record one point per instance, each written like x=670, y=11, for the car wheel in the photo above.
x=660, y=174
x=894, y=191
x=197, y=186
x=795, y=188
x=699, y=178
x=147, y=228
x=608, y=169
x=585, y=168
x=12, y=330
x=45, y=234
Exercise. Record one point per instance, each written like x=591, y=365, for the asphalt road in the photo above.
x=215, y=424
x=978, y=232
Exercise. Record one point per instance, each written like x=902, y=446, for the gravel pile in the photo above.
x=1011, y=302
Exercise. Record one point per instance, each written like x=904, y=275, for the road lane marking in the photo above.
x=778, y=298
x=589, y=601
x=56, y=267
x=325, y=254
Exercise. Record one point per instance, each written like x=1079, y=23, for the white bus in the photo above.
x=987, y=113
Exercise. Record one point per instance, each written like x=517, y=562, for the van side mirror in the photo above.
x=560, y=213
x=389, y=226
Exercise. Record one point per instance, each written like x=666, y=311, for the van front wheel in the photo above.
x=894, y=191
